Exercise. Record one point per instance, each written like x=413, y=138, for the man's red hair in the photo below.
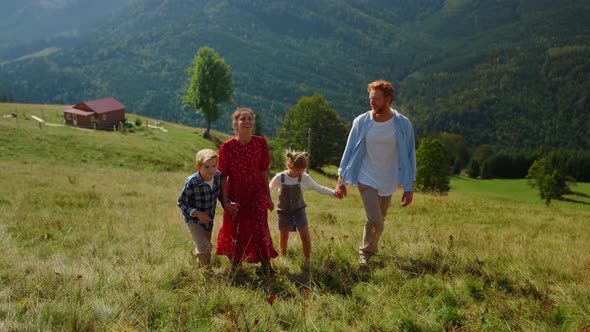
x=386, y=87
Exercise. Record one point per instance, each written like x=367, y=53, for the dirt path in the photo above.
x=47, y=123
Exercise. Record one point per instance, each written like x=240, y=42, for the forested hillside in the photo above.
x=520, y=79
x=511, y=73
x=28, y=26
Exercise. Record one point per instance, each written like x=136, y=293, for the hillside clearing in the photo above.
x=93, y=240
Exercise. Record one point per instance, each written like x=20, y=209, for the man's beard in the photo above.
x=381, y=109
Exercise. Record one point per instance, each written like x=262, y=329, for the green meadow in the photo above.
x=519, y=190
x=92, y=239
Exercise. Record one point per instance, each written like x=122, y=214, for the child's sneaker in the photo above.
x=204, y=260
x=363, y=260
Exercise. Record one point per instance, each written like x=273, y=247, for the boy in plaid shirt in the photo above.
x=198, y=200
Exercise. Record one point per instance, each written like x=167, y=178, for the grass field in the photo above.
x=97, y=243
x=519, y=190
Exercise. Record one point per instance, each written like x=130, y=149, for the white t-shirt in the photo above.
x=380, y=164
x=306, y=183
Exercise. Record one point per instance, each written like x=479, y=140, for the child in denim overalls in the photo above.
x=291, y=208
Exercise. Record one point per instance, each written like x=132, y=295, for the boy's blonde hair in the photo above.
x=297, y=159
x=205, y=155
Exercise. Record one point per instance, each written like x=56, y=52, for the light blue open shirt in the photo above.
x=355, y=149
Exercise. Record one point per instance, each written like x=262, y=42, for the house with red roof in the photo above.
x=99, y=113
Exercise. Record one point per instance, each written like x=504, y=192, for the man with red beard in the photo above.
x=380, y=155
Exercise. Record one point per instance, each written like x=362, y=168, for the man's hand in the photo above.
x=407, y=198
x=340, y=191
x=270, y=205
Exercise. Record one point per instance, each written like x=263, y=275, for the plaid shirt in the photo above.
x=197, y=195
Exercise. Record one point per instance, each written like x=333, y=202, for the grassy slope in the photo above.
x=110, y=252
x=147, y=149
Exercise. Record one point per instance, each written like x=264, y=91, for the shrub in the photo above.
x=473, y=168
x=276, y=150
x=432, y=173
x=548, y=175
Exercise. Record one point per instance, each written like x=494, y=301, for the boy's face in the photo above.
x=208, y=169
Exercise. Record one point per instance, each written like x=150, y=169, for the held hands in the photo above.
x=203, y=217
x=269, y=204
x=340, y=191
x=407, y=198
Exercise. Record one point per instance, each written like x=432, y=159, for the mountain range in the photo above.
x=511, y=73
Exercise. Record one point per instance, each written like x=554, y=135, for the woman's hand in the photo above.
x=232, y=208
x=269, y=204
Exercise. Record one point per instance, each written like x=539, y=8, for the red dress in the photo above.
x=246, y=237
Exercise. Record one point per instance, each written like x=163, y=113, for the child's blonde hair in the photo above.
x=205, y=155
x=297, y=159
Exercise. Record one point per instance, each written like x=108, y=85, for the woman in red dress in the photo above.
x=244, y=162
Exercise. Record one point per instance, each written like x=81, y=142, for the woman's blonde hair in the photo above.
x=297, y=159
x=236, y=116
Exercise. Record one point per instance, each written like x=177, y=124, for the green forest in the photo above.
x=511, y=74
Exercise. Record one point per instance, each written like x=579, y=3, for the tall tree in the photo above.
x=432, y=173
x=328, y=133
x=210, y=84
